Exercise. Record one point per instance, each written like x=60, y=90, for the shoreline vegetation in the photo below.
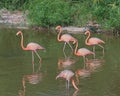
x=18, y=19
x=73, y=15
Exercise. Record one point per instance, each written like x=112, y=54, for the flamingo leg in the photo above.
x=64, y=47
x=94, y=51
x=39, y=68
x=94, y=48
x=68, y=84
x=33, y=60
x=65, y=54
x=32, y=57
x=38, y=56
x=70, y=46
x=94, y=56
x=77, y=78
x=102, y=48
x=84, y=61
x=67, y=88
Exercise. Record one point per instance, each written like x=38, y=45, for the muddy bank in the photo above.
x=18, y=19
x=13, y=19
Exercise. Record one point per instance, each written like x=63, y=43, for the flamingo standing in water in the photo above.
x=82, y=52
x=68, y=75
x=93, y=41
x=31, y=46
x=65, y=38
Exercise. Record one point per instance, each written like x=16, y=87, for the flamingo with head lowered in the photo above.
x=31, y=46
x=65, y=38
x=68, y=75
x=93, y=41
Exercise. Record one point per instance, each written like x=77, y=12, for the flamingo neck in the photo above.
x=75, y=52
x=74, y=85
x=22, y=45
x=58, y=37
x=86, y=41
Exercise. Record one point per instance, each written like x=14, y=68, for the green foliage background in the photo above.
x=48, y=13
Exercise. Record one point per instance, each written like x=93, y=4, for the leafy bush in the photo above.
x=49, y=12
x=81, y=12
x=12, y=4
x=114, y=15
x=107, y=12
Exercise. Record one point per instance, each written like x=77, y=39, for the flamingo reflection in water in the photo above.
x=75, y=93
x=64, y=63
x=94, y=64
x=68, y=75
x=33, y=79
x=91, y=66
x=82, y=73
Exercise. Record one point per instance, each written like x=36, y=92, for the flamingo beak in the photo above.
x=57, y=77
x=17, y=33
x=85, y=33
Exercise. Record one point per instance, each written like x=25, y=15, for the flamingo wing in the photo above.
x=67, y=38
x=34, y=46
x=95, y=40
x=66, y=74
x=83, y=52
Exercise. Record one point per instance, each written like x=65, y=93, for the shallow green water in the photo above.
x=17, y=77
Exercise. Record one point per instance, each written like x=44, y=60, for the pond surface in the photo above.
x=102, y=77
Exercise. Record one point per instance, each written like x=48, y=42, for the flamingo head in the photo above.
x=58, y=27
x=87, y=32
x=19, y=32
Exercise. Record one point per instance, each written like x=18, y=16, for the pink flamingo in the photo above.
x=68, y=75
x=93, y=41
x=31, y=46
x=65, y=38
x=82, y=52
